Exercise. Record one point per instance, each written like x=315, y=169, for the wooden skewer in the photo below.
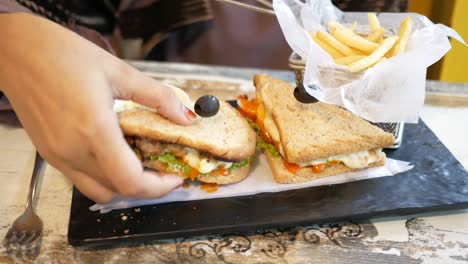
x=266, y=3
x=251, y=7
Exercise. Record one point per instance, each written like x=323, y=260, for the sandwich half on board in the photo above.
x=303, y=142
x=217, y=149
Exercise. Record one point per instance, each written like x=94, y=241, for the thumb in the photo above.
x=130, y=84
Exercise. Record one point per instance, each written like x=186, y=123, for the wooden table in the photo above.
x=430, y=238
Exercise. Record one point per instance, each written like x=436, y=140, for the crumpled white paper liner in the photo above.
x=260, y=180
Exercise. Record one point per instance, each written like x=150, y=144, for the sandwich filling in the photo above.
x=182, y=160
x=269, y=140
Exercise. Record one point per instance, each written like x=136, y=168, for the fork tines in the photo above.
x=20, y=239
x=23, y=245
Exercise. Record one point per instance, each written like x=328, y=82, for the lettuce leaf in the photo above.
x=174, y=164
x=137, y=153
x=253, y=125
x=241, y=164
x=261, y=143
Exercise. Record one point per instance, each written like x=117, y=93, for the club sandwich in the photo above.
x=303, y=142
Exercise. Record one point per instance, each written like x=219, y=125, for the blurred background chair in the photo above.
x=240, y=37
x=212, y=32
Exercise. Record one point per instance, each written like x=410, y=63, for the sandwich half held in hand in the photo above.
x=214, y=150
x=303, y=142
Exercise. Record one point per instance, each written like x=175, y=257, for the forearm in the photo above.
x=9, y=6
x=6, y=116
x=13, y=28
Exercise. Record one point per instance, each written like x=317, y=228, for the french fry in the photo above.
x=379, y=61
x=353, y=40
x=376, y=36
x=359, y=52
x=373, y=22
x=330, y=40
x=353, y=27
x=370, y=60
x=349, y=59
x=405, y=31
x=329, y=49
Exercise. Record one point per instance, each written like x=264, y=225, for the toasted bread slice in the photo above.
x=226, y=135
x=282, y=175
x=314, y=131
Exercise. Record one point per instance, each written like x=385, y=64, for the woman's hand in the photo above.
x=62, y=87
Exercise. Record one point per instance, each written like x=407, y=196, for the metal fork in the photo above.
x=27, y=228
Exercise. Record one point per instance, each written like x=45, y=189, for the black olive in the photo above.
x=207, y=106
x=302, y=96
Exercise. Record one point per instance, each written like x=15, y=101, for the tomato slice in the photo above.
x=261, y=114
x=221, y=171
x=292, y=167
x=248, y=108
x=318, y=168
x=193, y=174
x=209, y=187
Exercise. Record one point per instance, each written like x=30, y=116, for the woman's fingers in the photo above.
x=90, y=187
x=130, y=84
x=119, y=164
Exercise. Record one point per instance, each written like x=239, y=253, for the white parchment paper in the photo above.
x=260, y=180
x=391, y=91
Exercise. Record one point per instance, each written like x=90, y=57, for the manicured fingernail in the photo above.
x=189, y=114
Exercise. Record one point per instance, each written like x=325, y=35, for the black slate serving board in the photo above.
x=437, y=182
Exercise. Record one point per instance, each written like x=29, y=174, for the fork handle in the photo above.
x=37, y=171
